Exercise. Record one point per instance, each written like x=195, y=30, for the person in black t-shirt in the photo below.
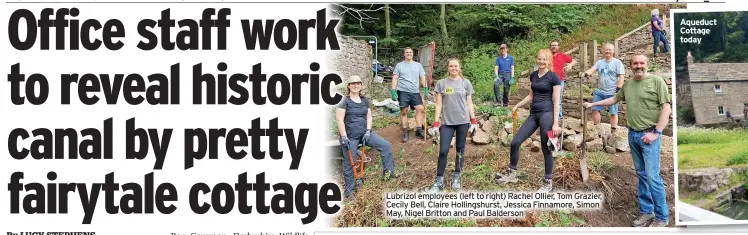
x=354, y=124
x=545, y=96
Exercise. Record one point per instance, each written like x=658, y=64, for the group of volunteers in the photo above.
x=646, y=95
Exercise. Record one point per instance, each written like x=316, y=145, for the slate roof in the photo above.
x=707, y=72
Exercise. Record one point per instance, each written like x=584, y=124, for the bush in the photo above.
x=493, y=111
x=478, y=68
x=685, y=114
x=739, y=158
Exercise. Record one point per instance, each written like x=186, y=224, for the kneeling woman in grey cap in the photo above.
x=354, y=123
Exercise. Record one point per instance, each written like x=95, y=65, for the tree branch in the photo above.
x=362, y=15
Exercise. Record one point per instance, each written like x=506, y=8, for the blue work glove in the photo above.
x=511, y=81
x=344, y=140
x=367, y=136
x=497, y=77
x=394, y=94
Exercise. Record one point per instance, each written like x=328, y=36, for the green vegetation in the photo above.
x=599, y=161
x=727, y=36
x=562, y=218
x=700, y=147
x=493, y=111
x=384, y=121
x=474, y=30
x=482, y=175
x=738, y=158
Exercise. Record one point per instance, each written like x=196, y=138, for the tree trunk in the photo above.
x=443, y=20
x=387, y=20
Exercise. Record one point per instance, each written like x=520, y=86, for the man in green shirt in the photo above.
x=648, y=108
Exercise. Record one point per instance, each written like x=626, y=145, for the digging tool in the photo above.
x=425, y=116
x=514, y=123
x=583, y=148
x=358, y=167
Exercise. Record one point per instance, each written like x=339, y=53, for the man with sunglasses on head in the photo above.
x=561, y=63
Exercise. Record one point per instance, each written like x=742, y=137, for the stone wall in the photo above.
x=637, y=42
x=354, y=58
x=380, y=91
x=706, y=100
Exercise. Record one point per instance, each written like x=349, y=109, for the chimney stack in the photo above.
x=689, y=59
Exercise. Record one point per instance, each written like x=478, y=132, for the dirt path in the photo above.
x=417, y=166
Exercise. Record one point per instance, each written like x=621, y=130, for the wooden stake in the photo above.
x=583, y=149
x=425, y=117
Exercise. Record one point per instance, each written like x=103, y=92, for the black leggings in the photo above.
x=445, y=138
x=545, y=122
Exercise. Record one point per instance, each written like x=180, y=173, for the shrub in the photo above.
x=738, y=158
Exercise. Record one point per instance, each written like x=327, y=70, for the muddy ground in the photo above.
x=416, y=163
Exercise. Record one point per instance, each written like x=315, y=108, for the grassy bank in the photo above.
x=700, y=148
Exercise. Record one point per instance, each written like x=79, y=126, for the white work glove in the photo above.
x=473, y=125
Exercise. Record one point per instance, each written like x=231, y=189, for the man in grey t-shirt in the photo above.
x=610, y=79
x=405, y=81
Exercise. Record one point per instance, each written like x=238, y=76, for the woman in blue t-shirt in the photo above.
x=455, y=104
x=354, y=124
x=545, y=96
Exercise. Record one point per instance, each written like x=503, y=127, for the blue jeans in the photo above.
x=660, y=36
x=504, y=79
x=561, y=101
x=375, y=142
x=647, y=164
x=596, y=96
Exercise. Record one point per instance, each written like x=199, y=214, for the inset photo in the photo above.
x=711, y=61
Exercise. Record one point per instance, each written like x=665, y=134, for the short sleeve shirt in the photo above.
x=505, y=64
x=542, y=91
x=608, y=72
x=409, y=74
x=644, y=100
x=355, y=117
x=560, y=59
x=454, y=95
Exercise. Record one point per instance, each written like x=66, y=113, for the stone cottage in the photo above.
x=716, y=89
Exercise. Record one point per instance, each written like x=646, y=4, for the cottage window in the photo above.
x=720, y=110
x=717, y=89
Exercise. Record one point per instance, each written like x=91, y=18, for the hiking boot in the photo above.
x=456, y=178
x=547, y=186
x=438, y=186
x=419, y=132
x=389, y=174
x=643, y=220
x=360, y=184
x=509, y=176
x=350, y=196
x=658, y=223
x=405, y=135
